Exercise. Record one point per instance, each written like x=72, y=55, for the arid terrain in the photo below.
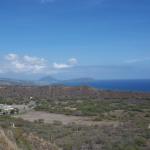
x=64, y=119
x=74, y=118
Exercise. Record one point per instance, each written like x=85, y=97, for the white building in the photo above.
x=7, y=109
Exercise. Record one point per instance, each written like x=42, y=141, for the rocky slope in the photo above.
x=17, y=140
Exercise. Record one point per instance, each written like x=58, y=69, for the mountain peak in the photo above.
x=48, y=79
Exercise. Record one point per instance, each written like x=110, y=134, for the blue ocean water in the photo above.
x=123, y=85
x=120, y=85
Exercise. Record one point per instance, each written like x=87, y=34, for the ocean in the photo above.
x=119, y=85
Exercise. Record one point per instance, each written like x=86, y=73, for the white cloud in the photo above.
x=60, y=66
x=11, y=57
x=32, y=65
x=70, y=63
x=16, y=63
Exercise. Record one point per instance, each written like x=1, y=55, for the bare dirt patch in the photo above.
x=65, y=119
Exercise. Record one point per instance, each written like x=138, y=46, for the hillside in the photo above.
x=50, y=92
x=17, y=139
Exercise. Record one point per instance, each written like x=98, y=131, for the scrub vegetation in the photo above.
x=131, y=111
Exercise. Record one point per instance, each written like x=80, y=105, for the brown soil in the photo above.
x=65, y=119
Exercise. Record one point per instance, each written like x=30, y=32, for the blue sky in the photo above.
x=105, y=39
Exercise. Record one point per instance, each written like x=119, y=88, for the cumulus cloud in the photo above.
x=32, y=65
x=11, y=57
x=70, y=63
x=60, y=66
x=16, y=63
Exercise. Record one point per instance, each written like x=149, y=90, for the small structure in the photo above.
x=7, y=110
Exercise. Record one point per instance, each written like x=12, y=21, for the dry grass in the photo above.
x=6, y=143
x=65, y=119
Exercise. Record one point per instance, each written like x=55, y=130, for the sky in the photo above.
x=102, y=39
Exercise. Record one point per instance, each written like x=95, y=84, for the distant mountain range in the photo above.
x=48, y=80
x=8, y=81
